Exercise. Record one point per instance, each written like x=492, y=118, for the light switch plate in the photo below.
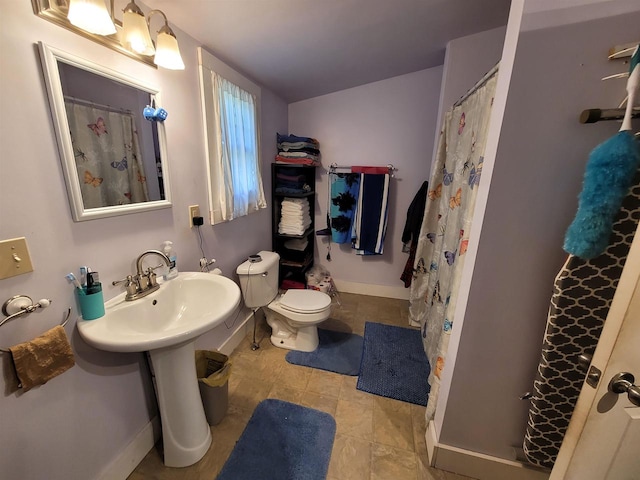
x=14, y=258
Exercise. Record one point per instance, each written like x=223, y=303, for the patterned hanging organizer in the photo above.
x=582, y=295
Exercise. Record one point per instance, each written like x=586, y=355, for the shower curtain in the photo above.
x=446, y=225
x=107, y=154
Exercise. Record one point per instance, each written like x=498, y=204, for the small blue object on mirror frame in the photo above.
x=154, y=114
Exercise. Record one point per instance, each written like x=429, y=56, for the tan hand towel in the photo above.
x=43, y=358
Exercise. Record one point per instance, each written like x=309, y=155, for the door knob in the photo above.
x=624, y=382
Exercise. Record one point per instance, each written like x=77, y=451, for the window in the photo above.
x=231, y=106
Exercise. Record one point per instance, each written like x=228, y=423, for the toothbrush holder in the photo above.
x=91, y=303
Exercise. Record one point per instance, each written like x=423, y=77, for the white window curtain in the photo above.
x=238, y=176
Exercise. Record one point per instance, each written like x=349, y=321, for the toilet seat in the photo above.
x=305, y=301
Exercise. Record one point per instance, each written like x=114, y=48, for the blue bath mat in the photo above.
x=394, y=364
x=337, y=352
x=282, y=441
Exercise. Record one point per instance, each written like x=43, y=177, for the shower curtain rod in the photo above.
x=88, y=103
x=478, y=84
x=593, y=115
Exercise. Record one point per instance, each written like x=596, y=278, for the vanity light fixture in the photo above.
x=92, y=16
x=137, y=38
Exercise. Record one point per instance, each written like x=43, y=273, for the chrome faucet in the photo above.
x=142, y=283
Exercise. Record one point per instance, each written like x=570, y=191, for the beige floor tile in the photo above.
x=326, y=383
x=419, y=429
x=348, y=391
x=392, y=424
x=248, y=393
x=388, y=463
x=294, y=376
x=324, y=403
x=283, y=392
x=354, y=420
x=350, y=459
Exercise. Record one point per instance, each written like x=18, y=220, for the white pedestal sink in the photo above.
x=167, y=323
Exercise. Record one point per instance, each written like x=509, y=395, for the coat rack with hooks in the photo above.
x=593, y=115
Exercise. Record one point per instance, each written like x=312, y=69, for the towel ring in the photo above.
x=62, y=324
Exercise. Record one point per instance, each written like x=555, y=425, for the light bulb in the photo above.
x=91, y=16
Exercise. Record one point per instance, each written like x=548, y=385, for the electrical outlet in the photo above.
x=194, y=211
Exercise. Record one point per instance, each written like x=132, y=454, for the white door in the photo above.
x=603, y=438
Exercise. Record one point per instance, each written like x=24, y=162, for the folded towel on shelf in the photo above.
x=294, y=138
x=299, y=244
x=292, y=212
x=285, y=230
x=296, y=222
x=43, y=358
x=298, y=147
x=303, y=220
x=298, y=161
x=299, y=154
x=295, y=201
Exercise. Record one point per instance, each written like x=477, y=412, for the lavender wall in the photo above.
x=537, y=176
x=75, y=425
x=391, y=121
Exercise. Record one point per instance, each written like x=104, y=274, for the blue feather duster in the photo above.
x=609, y=175
x=610, y=171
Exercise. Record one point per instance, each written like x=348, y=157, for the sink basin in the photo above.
x=181, y=310
x=166, y=323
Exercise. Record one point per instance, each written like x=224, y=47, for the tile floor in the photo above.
x=377, y=438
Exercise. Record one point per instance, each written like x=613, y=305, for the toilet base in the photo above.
x=304, y=340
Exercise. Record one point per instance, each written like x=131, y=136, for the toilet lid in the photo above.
x=305, y=301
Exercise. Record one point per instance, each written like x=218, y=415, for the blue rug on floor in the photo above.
x=337, y=352
x=282, y=441
x=394, y=364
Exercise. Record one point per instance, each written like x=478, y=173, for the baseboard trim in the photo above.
x=133, y=453
x=229, y=345
x=477, y=465
x=373, y=290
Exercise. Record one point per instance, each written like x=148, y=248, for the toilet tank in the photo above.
x=259, y=280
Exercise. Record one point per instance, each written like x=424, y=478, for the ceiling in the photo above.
x=305, y=48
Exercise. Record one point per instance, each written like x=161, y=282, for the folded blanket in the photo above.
x=294, y=138
x=298, y=161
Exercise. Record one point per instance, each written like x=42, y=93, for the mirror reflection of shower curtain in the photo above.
x=107, y=154
x=444, y=235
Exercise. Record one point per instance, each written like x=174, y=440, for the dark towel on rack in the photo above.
x=411, y=231
x=370, y=223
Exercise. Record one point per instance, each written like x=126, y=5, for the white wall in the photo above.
x=532, y=198
x=76, y=424
x=390, y=121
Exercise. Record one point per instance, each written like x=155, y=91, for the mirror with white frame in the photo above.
x=114, y=160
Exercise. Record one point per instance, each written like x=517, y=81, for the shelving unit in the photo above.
x=293, y=263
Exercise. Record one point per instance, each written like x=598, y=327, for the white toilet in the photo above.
x=292, y=316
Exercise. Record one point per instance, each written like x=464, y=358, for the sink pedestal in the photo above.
x=185, y=431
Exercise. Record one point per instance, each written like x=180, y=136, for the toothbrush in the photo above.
x=72, y=278
x=83, y=275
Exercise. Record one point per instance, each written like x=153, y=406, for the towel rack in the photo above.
x=20, y=305
x=334, y=166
